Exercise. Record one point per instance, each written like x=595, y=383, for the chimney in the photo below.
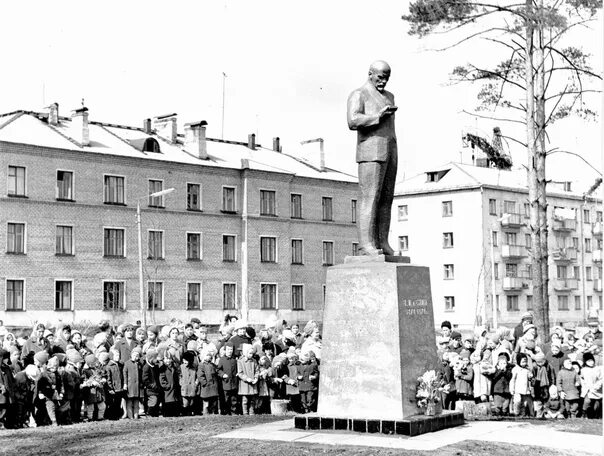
x=195, y=139
x=251, y=141
x=80, y=120
x=165, y=127
x=147, y=126
x=53, y=115
x=276, y=144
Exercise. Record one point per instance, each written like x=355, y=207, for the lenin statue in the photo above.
x=371, y=113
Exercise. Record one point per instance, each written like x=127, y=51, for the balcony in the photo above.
x=596, y=230
x=512, y=220
x=598, y=285
x=566, y=284
x=514, y=283
x=513, y=251
x=596, y=256
x=566, y=254
x=564, y=224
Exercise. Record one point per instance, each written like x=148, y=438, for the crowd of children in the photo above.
x=518, y=374
x=55, y=378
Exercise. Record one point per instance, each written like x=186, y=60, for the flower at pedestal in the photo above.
x=430, y=386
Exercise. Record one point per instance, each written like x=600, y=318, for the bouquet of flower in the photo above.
x=430, y=386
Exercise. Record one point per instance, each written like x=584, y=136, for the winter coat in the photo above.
x=543, y=378
x=500, y=380
x=463, y=380
x=31, y=347
x=93, y=385
x=569, y=382
x=591, y=382
x=169, y=381
x=293, y=373
x=71, y=382
x=125, y=348
x=150, y=377
x=208, y=380
x=188, y=381
x=306, y=371
x=247, y=371
x=133, y=379
x=237, y=342
x=7, y=385
x=115, y=383
x=521, y=380
x=228, y=366
x=264, y=379
x=481, y=385
x=555, y=361
x=50, y=385
x=25, y=388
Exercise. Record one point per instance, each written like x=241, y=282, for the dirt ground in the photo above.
x=190, y=436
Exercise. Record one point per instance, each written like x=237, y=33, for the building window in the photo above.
x=114, y=190
x=590, y=302
x=577, y=302
x=512, y=303
x=267, y=202
x=588, y=273
x=296, y=206
x=155, y=295
x=495, y=238
x=576, y=242
x=403, y=243
x=577, y=272
x=193, y=246
x=562, y=302
x=449, y=272
x=511, y=270
x=587, y=245
x=268, y=249
x=527, y=210
x=193, y=197
x=403, y=212
x=15, y=238
x=63, y=295
x=509, y=207
x=228, y=199
x=64, y=240
x=113, y=296
x=297, y=297
x=449, y=303
x=561, y=272
x=64, y=185
x=353, y=211
x=155, y=245
x=496, y=271
x=229, y=296
x=327, y=204
x=297, y=253
x=598, y=216
x=529, y=302
x=154, y=187
x=113, y=243
x=268, y=296
x=586, y=216
x=493, y=207
x=16, y=181
x=328, y=253
x=15, y=295
x=355, y=249
x=447, y=208
x=193, y=296
x=447, y=240
x=529, y=271
x=511, y=239
x=228, y=247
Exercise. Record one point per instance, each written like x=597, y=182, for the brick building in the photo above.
x=247, y=229
x=470, y=225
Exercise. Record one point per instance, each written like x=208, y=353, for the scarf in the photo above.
x=541, y=376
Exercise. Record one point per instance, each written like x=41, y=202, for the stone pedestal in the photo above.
x=378, y=338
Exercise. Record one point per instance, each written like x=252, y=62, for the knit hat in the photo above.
x=446, y=324
x=53, y=362
x=47, y=333
x=456, y=335
x=464, y=354
x=196, y=320
x=539, y=357
x=90, y=360
x=137, y=350
x=192, y=345
x=41, y=357
x=526, y=316
x=99, y=339
x=141, y=331
x=151, y=355
x=103, y=357
x=73, y=356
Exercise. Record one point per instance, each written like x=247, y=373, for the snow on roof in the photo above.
x=28, y=127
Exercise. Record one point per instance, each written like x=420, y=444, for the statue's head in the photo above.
x=379, y=73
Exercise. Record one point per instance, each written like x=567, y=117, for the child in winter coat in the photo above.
x=208, y=381
x=553, y=408
x=481, y=384
x=189, y=383
x=292, y=386
x=265, y=372
x=247, y=372
x=115, y=385
x=93, y=384
x=50, y=389
x=500, y=384
x=133, y=383
x=169, y=379
x=227, y=372
x=520, y=386
x=543, y=378
x=308, y=383
x=25, y=387
x=591, y=387
x=568, y=384
x=464, y=376
x=72, y=383
x=153, y=390
x=7, y=387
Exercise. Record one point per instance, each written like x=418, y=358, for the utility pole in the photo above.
x=223, y=89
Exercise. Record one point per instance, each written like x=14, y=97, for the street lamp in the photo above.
x=140, y=252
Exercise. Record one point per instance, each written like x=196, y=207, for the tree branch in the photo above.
x=571, y=92
x=499, y=119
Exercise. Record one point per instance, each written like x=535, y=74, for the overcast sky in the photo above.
x=290, y=67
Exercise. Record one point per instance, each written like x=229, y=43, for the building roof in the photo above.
x=454, y=176
x=30, y=127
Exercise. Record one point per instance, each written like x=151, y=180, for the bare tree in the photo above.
x=542, y=79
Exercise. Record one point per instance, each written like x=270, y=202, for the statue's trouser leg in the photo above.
x=371, y=177
x=384, y=211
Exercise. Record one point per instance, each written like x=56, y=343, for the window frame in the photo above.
x=235, y=303
x=324, y=243
x=448, y=244
x=199, y=246
x=274, y=251
x=200, y=291
x=163, y=290
x=301, y=262
x=71, y=297
x=492, y=206
x=116, y=228
x=293, y=206
x=222, y=204
x=276, y=295
x=72, y=243
x=114, y=203
x=447, y=208
x=123, y=292
x=449, y=302
x=353, y=211
x=404, y=239
x=402, y=212
x=163, y=244
x=156, y=202
x=261, y=209
x=327, y=209
x=72, y=189
x=199, y=197
x=303, y=303
x=23, y=294
x=234, y=236
x=24, y=238
x=448, y=271
x=16, y=193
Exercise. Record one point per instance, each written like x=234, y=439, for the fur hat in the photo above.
x=73, y=356
x=42, y=357
x=90, y=360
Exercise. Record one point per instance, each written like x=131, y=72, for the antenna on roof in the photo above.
x=83, y=105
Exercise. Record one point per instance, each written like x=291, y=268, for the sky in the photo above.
x=289, y=68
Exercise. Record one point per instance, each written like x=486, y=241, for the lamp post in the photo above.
x=140, y=252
